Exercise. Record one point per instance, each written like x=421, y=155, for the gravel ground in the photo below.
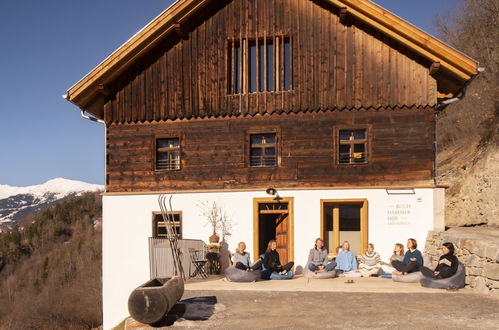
x=333, y=310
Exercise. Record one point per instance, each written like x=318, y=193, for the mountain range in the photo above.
x=17, y=202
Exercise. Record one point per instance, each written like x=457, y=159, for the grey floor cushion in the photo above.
x=237, y=275
x=310, y=274
x=455, y=281
x=409, y=278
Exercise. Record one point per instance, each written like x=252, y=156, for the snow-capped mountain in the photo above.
x=17, y=202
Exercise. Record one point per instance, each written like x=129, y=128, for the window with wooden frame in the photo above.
x=352, y=145
x=168, y=153
x=263, y=150
x=259, y=65
x=159, y=228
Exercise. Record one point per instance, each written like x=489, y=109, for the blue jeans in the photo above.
x=329, y=267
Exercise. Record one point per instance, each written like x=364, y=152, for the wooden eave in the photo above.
x=85, y=92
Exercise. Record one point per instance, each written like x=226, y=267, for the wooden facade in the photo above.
x=348, y=69
x=215, y=151
x=335, y=66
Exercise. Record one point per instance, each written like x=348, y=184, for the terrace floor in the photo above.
x=301, y=303
x=302, y=284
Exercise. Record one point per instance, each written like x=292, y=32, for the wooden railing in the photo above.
x=161, y=259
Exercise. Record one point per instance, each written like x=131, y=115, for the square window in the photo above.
x=168, y=154
x=352, y=146
x=263, y=150
x=160, y=229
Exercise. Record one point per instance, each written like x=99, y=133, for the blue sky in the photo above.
x=46, y=46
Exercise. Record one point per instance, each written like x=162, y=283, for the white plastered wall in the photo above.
x=127, y=225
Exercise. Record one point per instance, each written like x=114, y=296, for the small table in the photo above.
x=213, y=262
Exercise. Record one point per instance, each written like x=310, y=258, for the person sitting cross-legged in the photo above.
x=241, y=259
x=317, y=258
x=346, y=261
x=447, y=264
x=370, y=262
x=413, y=259
x=272, y=264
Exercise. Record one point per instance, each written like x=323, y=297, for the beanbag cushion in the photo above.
x=234, y=274
x=408, y=278
x=455, y=281
x=310, y=274
x=277, y=276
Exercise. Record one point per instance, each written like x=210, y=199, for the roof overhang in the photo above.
x=455, y=67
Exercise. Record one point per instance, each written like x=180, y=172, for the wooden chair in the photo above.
x=199, y=261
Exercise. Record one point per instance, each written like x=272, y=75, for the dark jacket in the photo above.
x=447, y=265
x=271, y=260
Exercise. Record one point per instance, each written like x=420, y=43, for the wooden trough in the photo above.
x=150, y=302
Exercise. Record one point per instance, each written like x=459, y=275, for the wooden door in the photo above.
x=274, y=220
x=281, y=237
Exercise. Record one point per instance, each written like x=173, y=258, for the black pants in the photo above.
x=256, y=266
x=411, y=267
x=427, y=272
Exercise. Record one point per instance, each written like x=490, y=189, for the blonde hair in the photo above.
x=344, y=245
x=270, y=245
x=238, y=244
x=401, y=249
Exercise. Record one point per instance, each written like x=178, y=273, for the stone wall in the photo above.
x=477, y=248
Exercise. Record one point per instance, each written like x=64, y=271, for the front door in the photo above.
x=273, y=220
x=344, y=220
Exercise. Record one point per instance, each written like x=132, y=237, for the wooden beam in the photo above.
x=274, y=211
x=343, y=15
x=102, y=89
x=435, y=66
x=180, y=31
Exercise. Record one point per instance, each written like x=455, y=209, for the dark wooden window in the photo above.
x=352, y=146
x=159, y=225
x=263, y=150
x=168, y=154
x=259, y=65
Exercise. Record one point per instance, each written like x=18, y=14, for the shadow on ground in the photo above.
x=191, y=309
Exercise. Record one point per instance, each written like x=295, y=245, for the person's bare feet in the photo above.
x=397, y=273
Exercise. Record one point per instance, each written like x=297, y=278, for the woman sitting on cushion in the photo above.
x=398, y=254
x=271, y=262
x=370, y=263
x=413, y=259
x=346, y=261
x=317, y=258
x=241, y=259
x=447, y=264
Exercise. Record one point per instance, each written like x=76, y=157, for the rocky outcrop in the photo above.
x=477, y=248
x=473, y=193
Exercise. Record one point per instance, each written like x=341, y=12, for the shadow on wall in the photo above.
x=224, y=256
x=192, y=309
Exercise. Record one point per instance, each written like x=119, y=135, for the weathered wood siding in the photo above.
x=334, y=66
x=215, y=151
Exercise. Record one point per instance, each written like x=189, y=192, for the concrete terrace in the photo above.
x=302, y=284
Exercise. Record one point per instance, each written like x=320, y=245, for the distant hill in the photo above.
x=468, y=131
x=17, y=202
x=50, y=268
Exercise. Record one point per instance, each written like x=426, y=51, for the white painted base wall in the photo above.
x=127, y=224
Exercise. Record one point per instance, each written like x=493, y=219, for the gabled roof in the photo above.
x=85, y=93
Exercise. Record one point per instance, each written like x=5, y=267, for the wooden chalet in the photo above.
x=330, y=102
